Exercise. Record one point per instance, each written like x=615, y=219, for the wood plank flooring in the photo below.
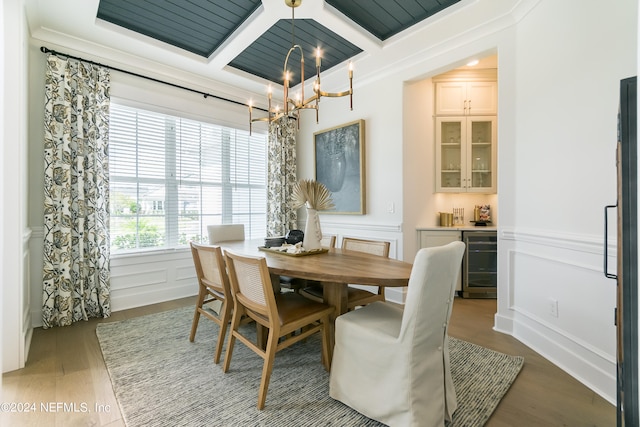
x=65, y=367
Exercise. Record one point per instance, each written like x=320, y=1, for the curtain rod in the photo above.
x=206, y=95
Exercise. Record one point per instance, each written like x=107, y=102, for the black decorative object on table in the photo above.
x=294, y=236
x=274, y=242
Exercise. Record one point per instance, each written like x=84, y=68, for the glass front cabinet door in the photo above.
x=466, y=154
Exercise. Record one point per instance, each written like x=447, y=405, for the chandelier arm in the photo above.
x=302, y=103
x=335, y=94
x=287, y=100
x=309, y=100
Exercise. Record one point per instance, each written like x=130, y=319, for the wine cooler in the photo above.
x=480, y=266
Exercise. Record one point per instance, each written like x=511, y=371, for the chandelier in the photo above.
x=292, y=107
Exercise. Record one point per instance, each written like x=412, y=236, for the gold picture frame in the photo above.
x=340, y=165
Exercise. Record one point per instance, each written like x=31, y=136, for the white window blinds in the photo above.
x=170, y=177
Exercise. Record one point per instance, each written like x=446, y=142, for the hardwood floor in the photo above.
x=65, y=367
x=543, y=394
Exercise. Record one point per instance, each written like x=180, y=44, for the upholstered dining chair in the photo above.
x=355, y=297
x=295, y=283
x=281, y=314
x=225, y=232
x=213, y=285
x=393, y=365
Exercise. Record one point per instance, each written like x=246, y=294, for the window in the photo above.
x=170, y=177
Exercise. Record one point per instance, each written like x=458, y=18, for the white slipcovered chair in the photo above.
x=393, y=365
x=222, y=233
x=225, y=232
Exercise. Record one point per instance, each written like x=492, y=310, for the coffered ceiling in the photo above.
x=203, y=26
x=234, y=48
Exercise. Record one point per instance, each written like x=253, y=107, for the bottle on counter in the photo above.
x=476, y=213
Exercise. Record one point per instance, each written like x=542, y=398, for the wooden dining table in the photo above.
x=335, y=269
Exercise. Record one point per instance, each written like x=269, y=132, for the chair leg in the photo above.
x=262, y=334
x=196, y=315
x=232, y=339
x=326, y=359
x=224, y=316
x=270, y=354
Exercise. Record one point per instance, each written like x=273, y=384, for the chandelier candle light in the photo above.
x=314, y=196
x=292, y=107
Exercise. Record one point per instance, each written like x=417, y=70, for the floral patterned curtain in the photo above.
x=281, y=176
x=76, y=277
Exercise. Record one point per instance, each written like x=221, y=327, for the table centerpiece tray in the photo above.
x=277, y=250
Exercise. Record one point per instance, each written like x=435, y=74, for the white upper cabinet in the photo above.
x=466, y=98
x=466, y=154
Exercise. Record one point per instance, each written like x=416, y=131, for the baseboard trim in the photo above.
x=125, y=302
x=591, y=368
x=121, y=302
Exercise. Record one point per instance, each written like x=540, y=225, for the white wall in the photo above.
x=383, y=163
x=16, y=325
x=558, y=97
x=564, y=174
x=3, y=225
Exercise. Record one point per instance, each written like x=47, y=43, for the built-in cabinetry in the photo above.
x=466, y=136
x=466, y=154
x=466, y=98
x=478, y=271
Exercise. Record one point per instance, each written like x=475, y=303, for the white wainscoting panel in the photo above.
x=35, y=269
x=136, y=279
x=553, y=296
x=388, y=232
x=143, y=279
x=26, y=328
x=153, y=277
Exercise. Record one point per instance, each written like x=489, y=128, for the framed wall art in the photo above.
x=339, y=164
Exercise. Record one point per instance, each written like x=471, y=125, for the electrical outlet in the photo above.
x=553, y=307
x=391, y=207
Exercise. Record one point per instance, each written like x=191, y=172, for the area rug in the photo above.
x=162, y=379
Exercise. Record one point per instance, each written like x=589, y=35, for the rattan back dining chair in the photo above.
x=213, y=285
x=281, y=314
x=355, y=296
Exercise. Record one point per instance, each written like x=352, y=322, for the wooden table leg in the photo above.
x=275, y=282
x=335, y=295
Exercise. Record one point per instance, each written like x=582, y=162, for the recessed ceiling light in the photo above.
x=472, y=63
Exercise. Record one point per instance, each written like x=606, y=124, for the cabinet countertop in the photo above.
x=459, y=228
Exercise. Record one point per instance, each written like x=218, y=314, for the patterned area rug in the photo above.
x=161, y=379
